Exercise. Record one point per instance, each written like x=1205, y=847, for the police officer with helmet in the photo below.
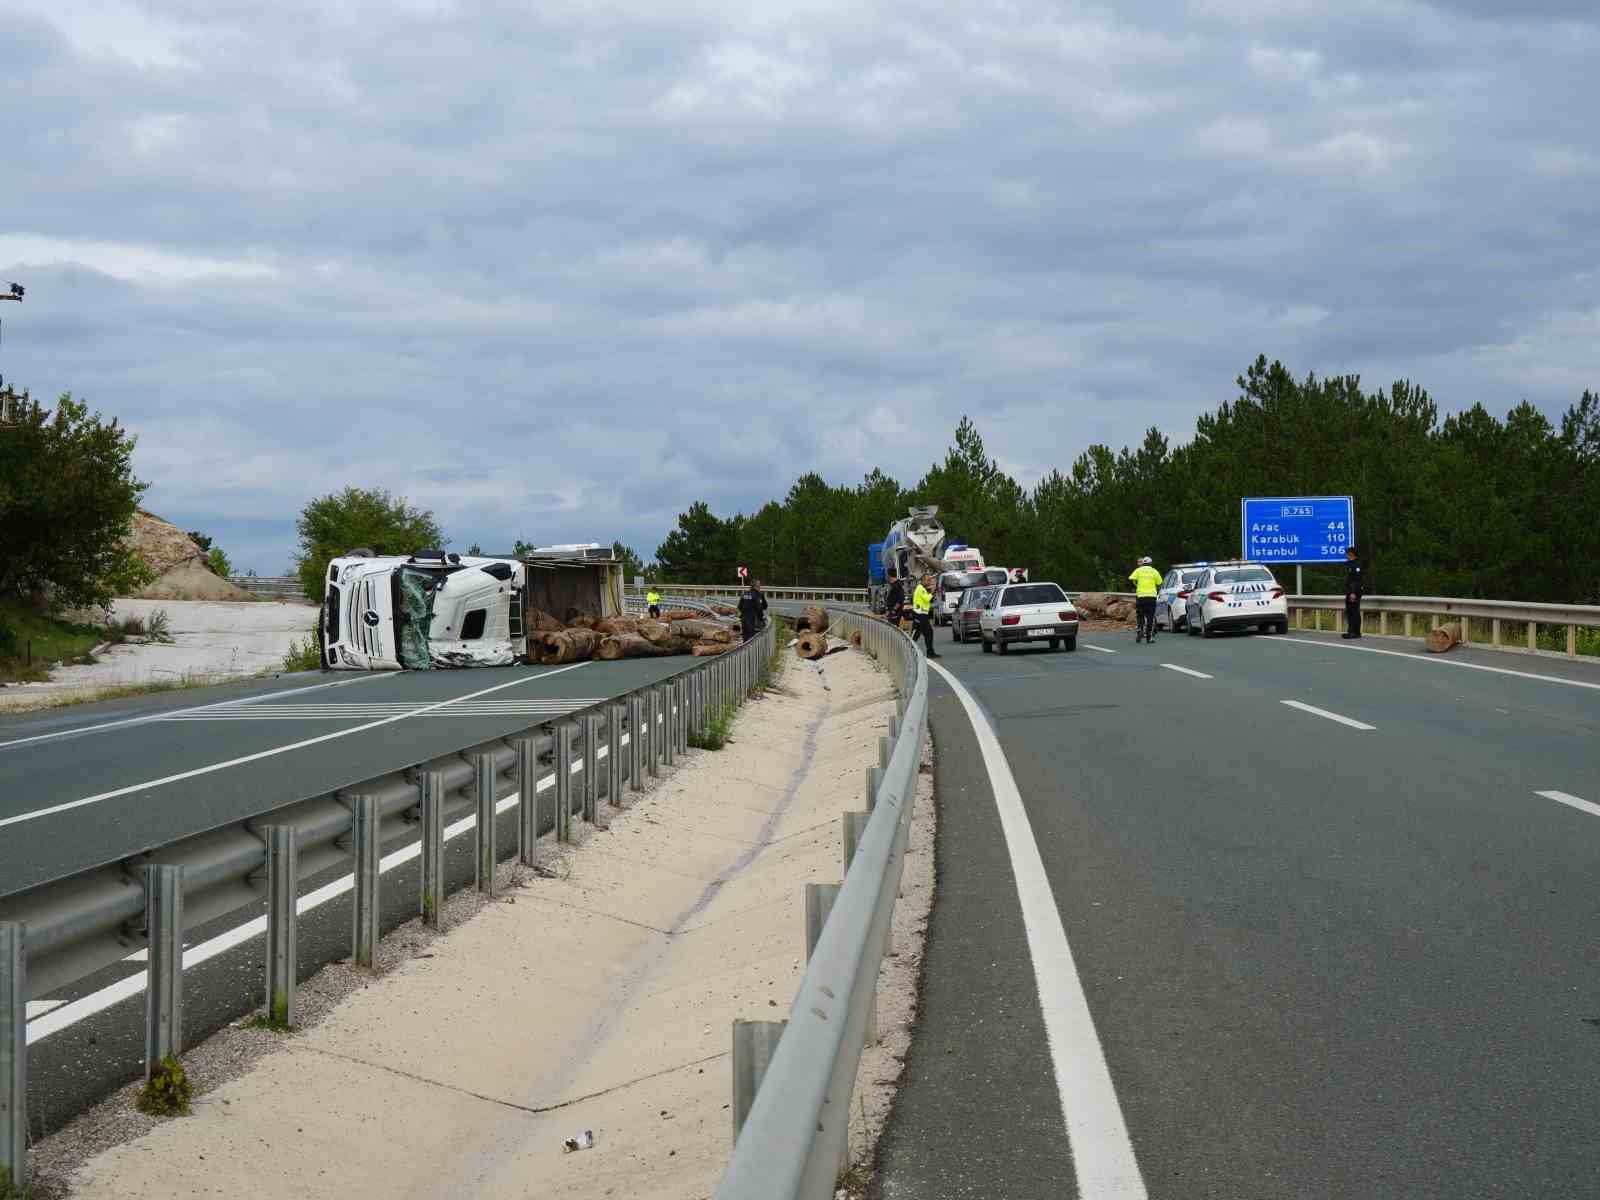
x=1354, y=589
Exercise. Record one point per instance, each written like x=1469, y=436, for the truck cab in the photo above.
x=423, y=611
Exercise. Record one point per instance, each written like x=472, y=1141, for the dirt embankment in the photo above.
x=182, y=572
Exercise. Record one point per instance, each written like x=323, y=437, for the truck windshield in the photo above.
x=413, y=616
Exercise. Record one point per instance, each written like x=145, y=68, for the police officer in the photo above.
x=1354, y=589
x=922, y=613
x=751, y=605
x=652, y=599
x=894, y=602
x=1146, y=581
x=761, y=594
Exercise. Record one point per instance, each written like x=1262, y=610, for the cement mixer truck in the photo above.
x=913, y=545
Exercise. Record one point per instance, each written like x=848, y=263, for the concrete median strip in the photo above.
x=596, y=994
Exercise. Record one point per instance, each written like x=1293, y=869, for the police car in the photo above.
x=1174, y=591
x=1235, y=595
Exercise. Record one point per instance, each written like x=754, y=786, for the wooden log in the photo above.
x=680, y=614
x=617, y=625
x=725, y=610
x=1443, y=638
x=707, y=649
x=536, y=620
x=815, y=618
x=855, y=640
x=811, y=644
x=1120, y=610
x=1092, y=604
x=578, y=619
x=626, y=645
x=701, y=630
x=570, y=645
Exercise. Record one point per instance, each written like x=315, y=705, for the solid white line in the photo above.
x=1102, y=1153
x=141, y=720
x=1440, y=659
x=1186, y=671
x=1322, y=712
x=1572, y=801
x=260, y=754
x=66, y=1015
x=1099, y=649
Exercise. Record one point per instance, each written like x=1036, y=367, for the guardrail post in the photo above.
x=1408, y=625
x=433, y=848
x=488, y=847
x=163, y=996
x=1494, y=632
x=283, y=920
x=885, y=752
x=754, y=1044
x=1383, y=621
x=563, y=731
x=527, y=801
x=874, y=782
x=819, y=903
x=681, y=690
x=364, y=908
x=1533, y=635
x=855, y=824
x=894, y=730
x=635, y=742
x=614, y=755
x=14, y=1055
x=669, y=724
x=1572, y=641
x=652, y=720
x=591, y=765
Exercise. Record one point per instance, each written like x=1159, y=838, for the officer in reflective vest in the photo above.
x=652, y=598
x=922, y=613
x=1146, y=582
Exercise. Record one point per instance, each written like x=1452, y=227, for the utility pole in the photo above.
x=11, y=403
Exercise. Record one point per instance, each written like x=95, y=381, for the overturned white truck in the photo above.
x=435, y=610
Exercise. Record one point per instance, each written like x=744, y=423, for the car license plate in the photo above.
x=1041, y=633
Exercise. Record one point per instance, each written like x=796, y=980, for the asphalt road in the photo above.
x=108, y=781
x=1322, y=959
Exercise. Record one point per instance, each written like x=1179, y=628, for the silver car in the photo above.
x=1174, y=592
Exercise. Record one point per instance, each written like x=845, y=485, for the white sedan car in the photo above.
x=1174, y=591
x=1029, y=612
x=1238, y=595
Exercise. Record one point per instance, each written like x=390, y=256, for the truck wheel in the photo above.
x=322, y=648
x=360, y=552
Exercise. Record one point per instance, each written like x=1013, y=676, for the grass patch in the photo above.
x=303, y=656
x=268, y=1022
x=774, y=664
x=168, y=1091
x=31, y=642
x=713, y=735
x=10, y=1189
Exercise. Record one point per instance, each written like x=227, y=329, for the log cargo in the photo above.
x=655, y=631
x=616, y=625
x=1121, y=610
x=539, y=621
x=707, y=649
x=681, y=614
x=855, y=640
x=578, y=619
x=724, y=610
x=627, y=645
x=1444, y=637
x=570, y=645
x=811, y=645
x=1092, y=604
x=815, y=618
x=699, y=629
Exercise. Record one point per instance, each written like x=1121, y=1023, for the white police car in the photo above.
x=1236, y=595
x=1174, y=591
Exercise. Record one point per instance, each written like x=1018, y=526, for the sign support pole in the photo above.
x=1299, y=579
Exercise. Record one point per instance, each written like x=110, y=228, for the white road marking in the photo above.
x=1440, y=660
x=1572, y=801
x=37, y=1008
x=1322, y=712
x=66, y=1015
x=1102, y=1153
x=358, y=712
x=1186, y=671
x=141, y=720
x=276, y=750
x=1097, y=649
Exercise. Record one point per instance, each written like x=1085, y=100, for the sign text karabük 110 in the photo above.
x=1296, y=529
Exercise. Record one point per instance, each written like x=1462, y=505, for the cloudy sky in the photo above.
x=558, y=269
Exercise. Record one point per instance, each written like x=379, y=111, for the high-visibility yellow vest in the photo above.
x=1146, y=581
x=921, y=601
x=652, y=598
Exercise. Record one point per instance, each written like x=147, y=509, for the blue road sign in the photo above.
x=1296, y=529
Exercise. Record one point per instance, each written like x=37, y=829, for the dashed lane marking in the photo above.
x=1331, y=716
x=1572, y=802
x=1186, y=671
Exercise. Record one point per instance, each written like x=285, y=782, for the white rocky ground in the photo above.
x=211, y=641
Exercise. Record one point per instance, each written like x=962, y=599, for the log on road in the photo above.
x=1092, y=604
x=707, y=649
x=1444, y=637
x=815, y=618
x=570, y=645
x=538, y=621
x=627, y=645
x=617, y=625
x=811, y=644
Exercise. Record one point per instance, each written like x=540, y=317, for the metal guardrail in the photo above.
x=1436, y=610
x=794, y=1139
x=837, y=595
x=275, y=587
x=61, y=931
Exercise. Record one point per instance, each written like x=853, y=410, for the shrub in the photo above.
x=714, y=735
x=158, y=626
x=168, y=1091
x=303, y=656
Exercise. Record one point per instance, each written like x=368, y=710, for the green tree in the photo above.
x=339, y=522
x=217, y=560
x=632, y=564
x=67, y=496
x=702, y=548
x=523, y=548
